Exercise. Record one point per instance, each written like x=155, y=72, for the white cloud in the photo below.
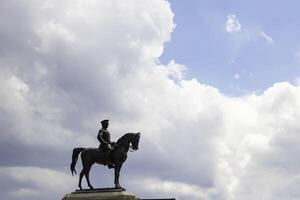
x=236, y=76
x=41, y=177
x=233, y=24
x=266, y=37
x=83, y=65
x=297, y=81
x=37, y=182
x=24, y=192
x=175, y=70
x=172, y=188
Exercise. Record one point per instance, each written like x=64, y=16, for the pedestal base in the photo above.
x=101, y=194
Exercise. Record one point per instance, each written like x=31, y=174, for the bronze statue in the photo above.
x=115, y=157
x=105, y=144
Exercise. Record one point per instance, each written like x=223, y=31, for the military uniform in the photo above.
x=105, y=143
x=104, y=139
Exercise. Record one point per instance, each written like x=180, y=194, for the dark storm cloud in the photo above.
x=16, y=153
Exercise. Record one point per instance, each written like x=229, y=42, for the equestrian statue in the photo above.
x=109, y=153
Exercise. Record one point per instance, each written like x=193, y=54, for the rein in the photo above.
x=120, y=142
x=131, y=148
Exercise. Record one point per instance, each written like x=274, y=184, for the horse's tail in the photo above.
x=76, y=152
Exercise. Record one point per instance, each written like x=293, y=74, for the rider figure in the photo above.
x=105, y=143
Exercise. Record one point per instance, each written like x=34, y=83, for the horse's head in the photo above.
x=130, y=140
x=135, y=141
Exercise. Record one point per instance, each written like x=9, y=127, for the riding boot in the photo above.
x=109, y=162
x=110, y=166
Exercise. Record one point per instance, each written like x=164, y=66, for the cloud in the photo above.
x=175, y=70
x=170, y=188
x=257, y=145
x=34, y=182
x=25, y=192
x=74, y=66
x=232, y=24
x=266, y=37
x=236, y=76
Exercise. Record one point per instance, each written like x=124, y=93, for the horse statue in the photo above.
x=118, y=156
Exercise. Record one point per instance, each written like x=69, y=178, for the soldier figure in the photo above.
x=105, y=143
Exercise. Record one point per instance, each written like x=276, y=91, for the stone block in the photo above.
x=100, y=194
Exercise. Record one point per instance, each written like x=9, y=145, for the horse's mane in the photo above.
x=122, y=138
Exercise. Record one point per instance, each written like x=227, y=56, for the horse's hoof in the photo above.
x=119, y=187
x=91, y=188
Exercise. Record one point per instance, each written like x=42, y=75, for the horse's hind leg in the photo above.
x=80, y=178
x=87, y=175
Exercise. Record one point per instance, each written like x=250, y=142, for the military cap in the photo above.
x=104, y=121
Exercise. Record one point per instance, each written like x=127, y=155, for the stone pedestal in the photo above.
x=101, y=194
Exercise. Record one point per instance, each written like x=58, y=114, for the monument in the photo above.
x=112, y=154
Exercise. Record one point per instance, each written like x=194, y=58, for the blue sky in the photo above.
x=214, y=56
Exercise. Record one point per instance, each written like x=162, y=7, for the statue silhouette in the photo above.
x=117, y=157
x=105, y=144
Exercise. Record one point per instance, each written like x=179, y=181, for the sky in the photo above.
x=213, y=87
x=260, y=49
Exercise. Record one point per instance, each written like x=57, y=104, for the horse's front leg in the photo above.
x=117, y=174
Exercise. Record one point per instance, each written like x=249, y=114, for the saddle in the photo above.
x=107, y=150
